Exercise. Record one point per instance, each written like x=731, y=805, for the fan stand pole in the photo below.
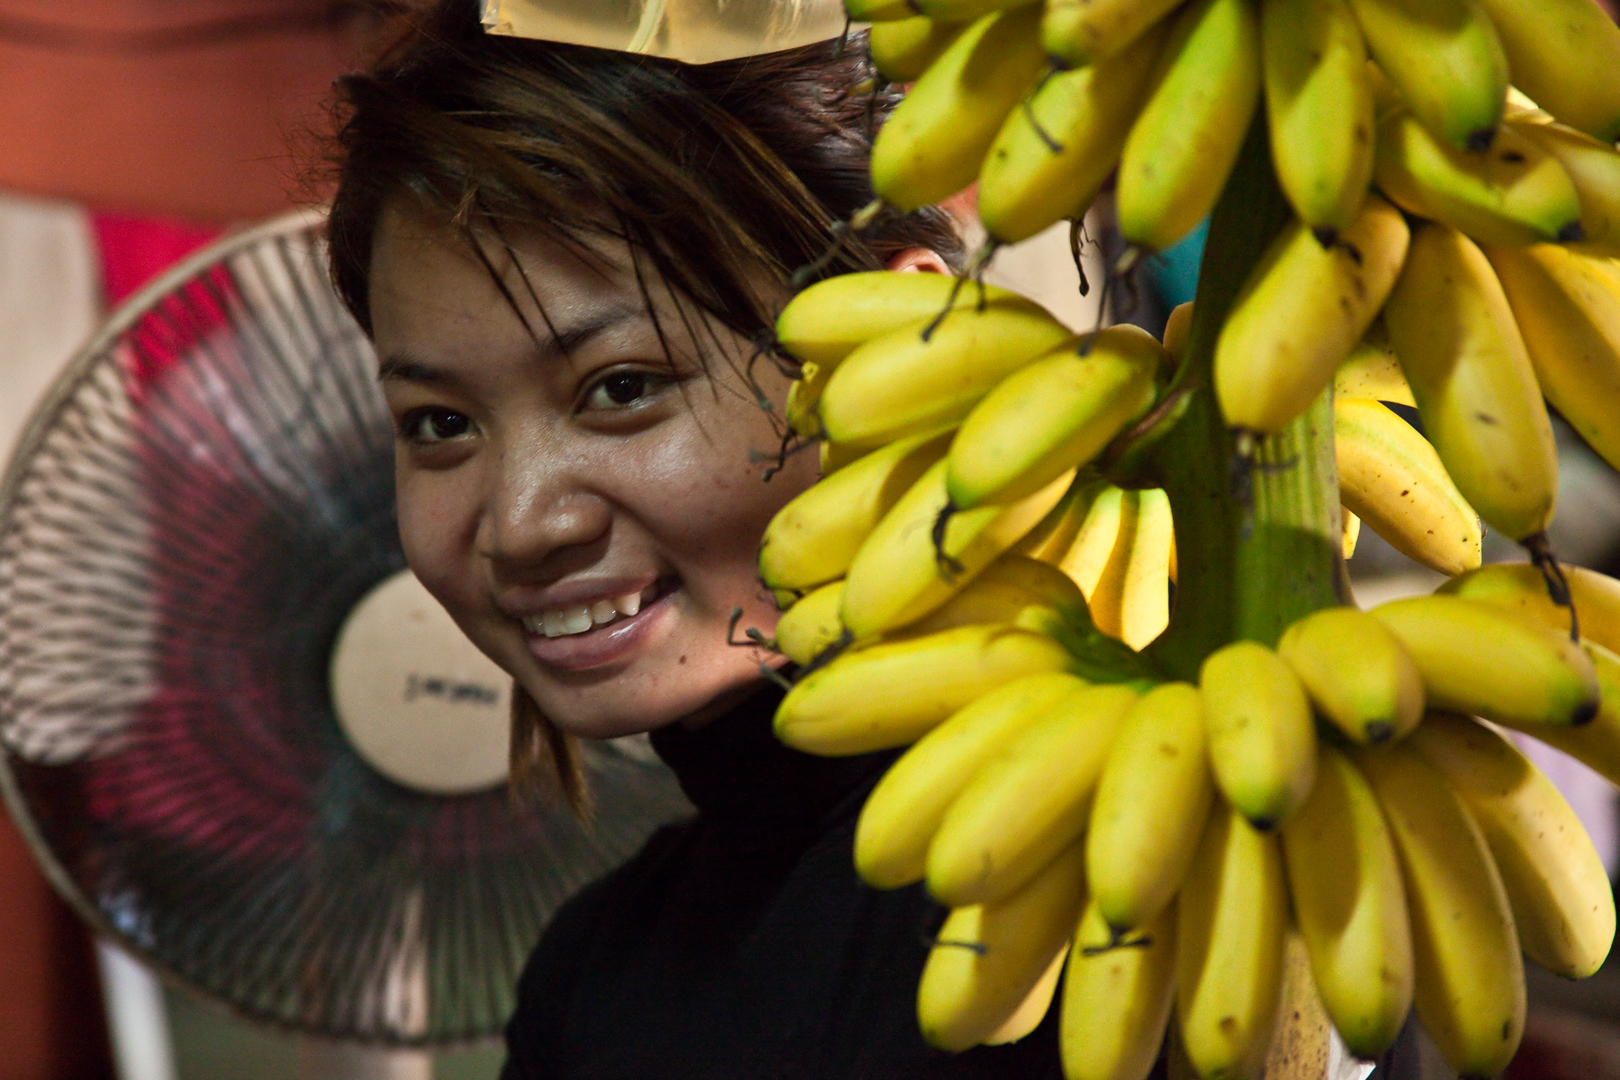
x=137, y=1017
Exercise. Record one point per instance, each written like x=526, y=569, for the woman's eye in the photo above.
x=621, y=389
x=433, y=425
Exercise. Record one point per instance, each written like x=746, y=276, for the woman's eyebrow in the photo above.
x=401, y=366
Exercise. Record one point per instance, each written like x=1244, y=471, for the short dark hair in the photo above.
x=723, y=177
x=714, y=173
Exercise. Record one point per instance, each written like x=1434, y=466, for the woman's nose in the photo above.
x=537, y=508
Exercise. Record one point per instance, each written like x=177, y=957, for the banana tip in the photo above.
x=1572, y=233
x=1379, y=731
x=1479, y=140
x=1585, y=713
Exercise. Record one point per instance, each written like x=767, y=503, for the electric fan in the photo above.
x=193, y=514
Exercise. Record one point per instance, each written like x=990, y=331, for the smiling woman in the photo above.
x=570, y=261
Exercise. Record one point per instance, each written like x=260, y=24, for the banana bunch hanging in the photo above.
x=971, y=580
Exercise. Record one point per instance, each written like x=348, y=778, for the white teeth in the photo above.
x=577, y=620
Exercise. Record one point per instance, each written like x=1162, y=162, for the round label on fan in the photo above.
x=417, y=700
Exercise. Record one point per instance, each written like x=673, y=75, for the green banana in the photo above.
x=1184, y=143
x=1513, y=194
x=1320, y=108
x=1554, y=49
x=1445, y=59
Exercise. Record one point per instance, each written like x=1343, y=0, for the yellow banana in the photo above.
x=1027, y=802
x=873, y=11
x=903, y=383
x=905, y=808
x=1320, y=108
x=1487, y=661
x=1088, y=557
x=806, y=629
x=1391, y=477
x=1076, y=33
x=896, y=577
x=1349, y=532
x=1563, y=905
x=933, y=144
x=814, y=538
x=1469, y=986
x=1033, y=1009
x=834, y=456
x=1106, y=599
x=1055, y=533
x=1568, y=309
x=1016, y=590
x=1522, y=588
x=1594, y=169
x=1515, y=193
x=988, y=957
x=1345, y=881
x=1262, y=740
x=1463, y=356
x=1233, y=912
x=902, y=49
x=1554, y=48
x=1372, y=372
x=961, y=10
x=1177, y=329
x=1144, y=596
x=1052, y=415
x=1152, y=800
x=892, y=693
x=1051, y=157
x=1300, y=313
x=826, y=321
x=1445, y=59
x=1182, y=146
x=1595, y=744
x=1116, y=1002
x=1356, y=673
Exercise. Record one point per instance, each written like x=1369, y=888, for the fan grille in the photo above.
x=202, y=499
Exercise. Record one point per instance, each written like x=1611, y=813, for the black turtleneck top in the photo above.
x=740, y=945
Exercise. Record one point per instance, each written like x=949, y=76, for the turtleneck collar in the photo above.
x=734, y=767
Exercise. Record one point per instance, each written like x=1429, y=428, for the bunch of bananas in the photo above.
x=1510, y=267
x=962, y=581
x=985, y=573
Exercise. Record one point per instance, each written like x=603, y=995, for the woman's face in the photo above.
x=589, y=514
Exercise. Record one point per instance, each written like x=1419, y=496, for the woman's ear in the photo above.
x=918, y=260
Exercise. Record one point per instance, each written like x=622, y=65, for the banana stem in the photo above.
x=1257, y=547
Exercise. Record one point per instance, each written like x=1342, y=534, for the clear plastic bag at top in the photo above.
x=696, y=31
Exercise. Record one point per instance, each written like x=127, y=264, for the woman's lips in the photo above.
x=605, y=644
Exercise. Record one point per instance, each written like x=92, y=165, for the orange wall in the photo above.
x=94, y=109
